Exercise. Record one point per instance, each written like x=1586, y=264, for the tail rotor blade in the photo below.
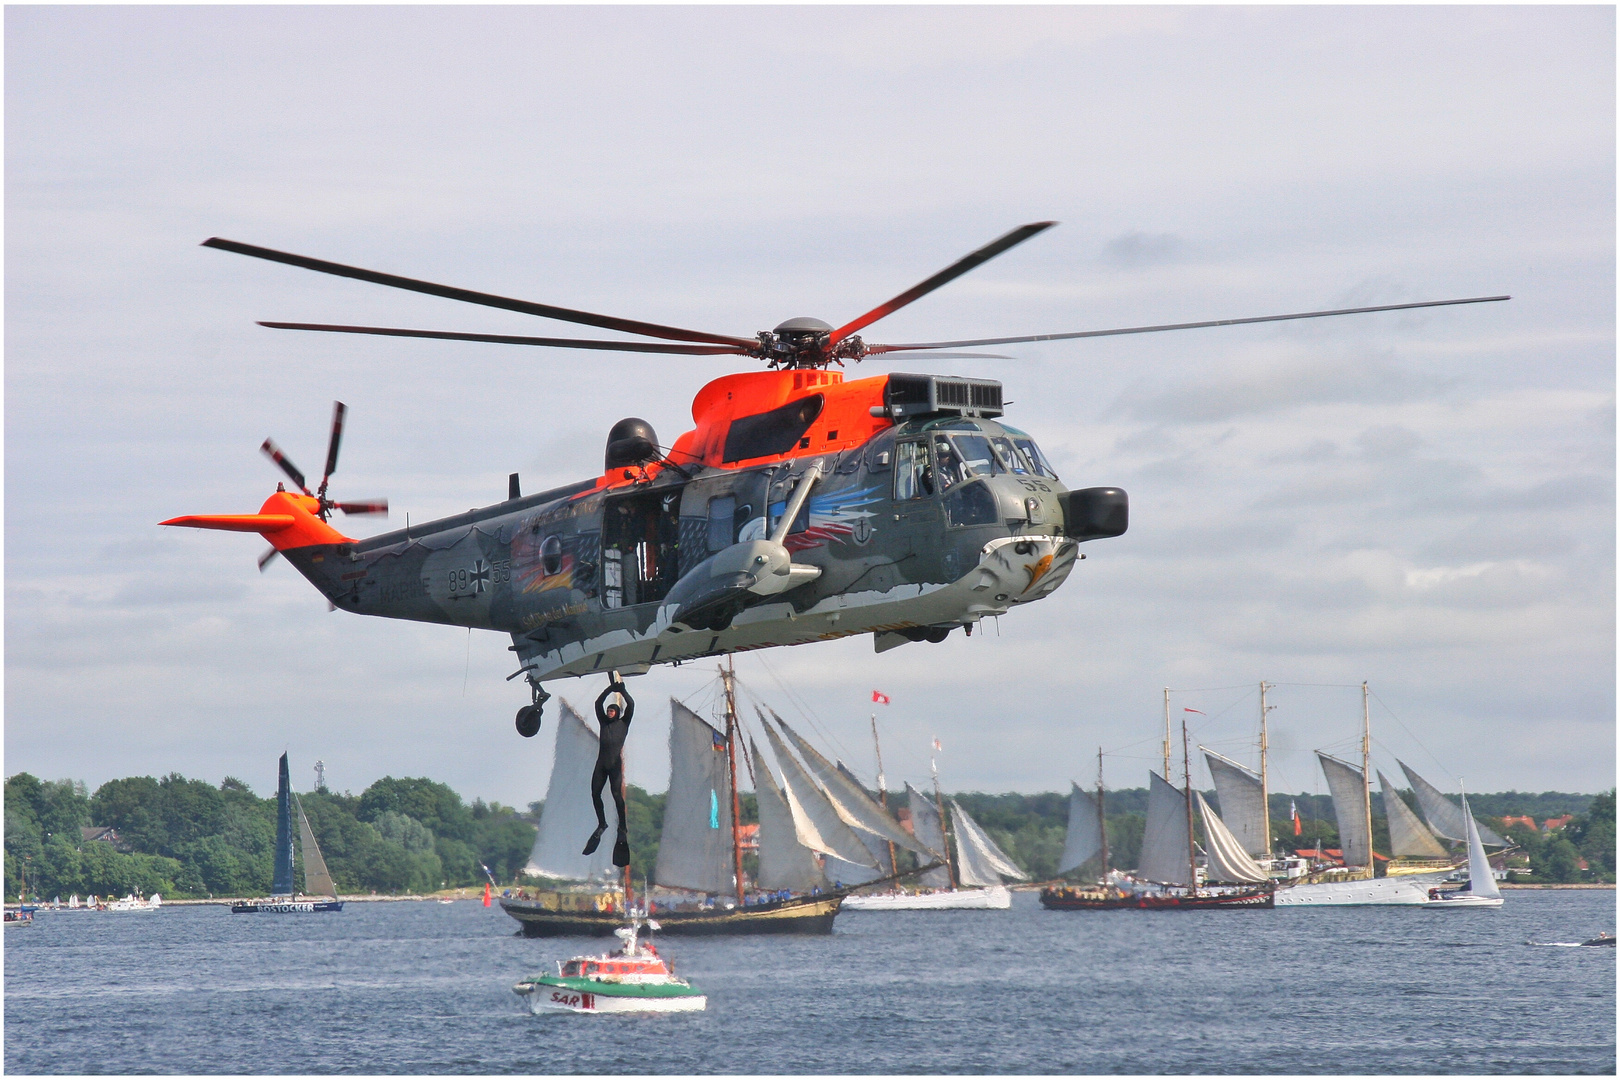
x=267, y=558
x=371, y=506
x=339, y=411
x=274, y=453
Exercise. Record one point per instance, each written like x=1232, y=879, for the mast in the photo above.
x=883, y=787
x=1366, y=776
x=1186, y=766
x=1265, y=790
x=944, y=824
x=728, y=678
x=1167, y=733
x=1102, y=823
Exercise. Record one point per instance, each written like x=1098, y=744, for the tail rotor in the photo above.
x=324, y=510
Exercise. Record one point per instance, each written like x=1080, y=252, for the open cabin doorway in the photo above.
x=640, y=547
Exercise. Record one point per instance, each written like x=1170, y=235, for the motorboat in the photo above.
x=634, y=979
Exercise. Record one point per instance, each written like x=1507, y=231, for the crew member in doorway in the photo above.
x=615, y=723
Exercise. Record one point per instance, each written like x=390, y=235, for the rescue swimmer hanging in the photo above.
x=799, y=508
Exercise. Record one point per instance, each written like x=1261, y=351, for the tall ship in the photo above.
x=973, y=880
x=1419, y=862
x=320, y=894
x=1167, y=873
x=809, y=814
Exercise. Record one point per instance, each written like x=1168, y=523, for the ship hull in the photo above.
x=1078, y=900
x=996, y=898
x=800, y=915
x=544, y=995
x=1400, y=892
x=291, y=907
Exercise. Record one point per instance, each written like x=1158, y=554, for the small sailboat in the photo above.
x=1481, y=890
x=283, y=900
x=634, y=979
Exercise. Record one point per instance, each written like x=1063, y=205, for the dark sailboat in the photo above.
x=283, y=898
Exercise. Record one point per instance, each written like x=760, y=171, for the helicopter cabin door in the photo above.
x=641, y=535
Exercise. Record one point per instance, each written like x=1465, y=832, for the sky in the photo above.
x=1423, y=501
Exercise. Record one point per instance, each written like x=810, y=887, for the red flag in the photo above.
x=486, y=894
x=938, y=748
x=1200, y=712
x=1293, y=812
x=880, y=697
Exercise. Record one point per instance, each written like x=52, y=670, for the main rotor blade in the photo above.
x=267, y=558
x=374, y=506
x=951, y=272
x=954, y=355
x=511, y=339
x=275, y=455
x=606, y=322
x=339, y=411
x=871, y=349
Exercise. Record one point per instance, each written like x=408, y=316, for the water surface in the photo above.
x=425, y=988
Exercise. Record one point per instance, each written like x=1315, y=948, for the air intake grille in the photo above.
x=932, y=395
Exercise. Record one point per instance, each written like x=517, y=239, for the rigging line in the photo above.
x=468, y=670
x=1209, y=689
x=1437, y=763
x=1331, y=685
x=808, y=713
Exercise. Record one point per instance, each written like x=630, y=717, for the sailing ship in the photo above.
x=284, y=899
x=1356, y=882
x=973, y=881
x=1481, y=890
x=699, y=866
x=1166, y=876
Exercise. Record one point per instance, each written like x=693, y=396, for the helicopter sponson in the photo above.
x=800, y=508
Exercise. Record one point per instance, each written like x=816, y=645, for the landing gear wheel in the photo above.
x=528, y=721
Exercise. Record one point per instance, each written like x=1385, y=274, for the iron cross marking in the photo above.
x=480, y=575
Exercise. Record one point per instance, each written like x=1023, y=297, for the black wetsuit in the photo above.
x=610, y=767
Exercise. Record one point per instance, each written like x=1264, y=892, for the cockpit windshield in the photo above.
x=1031, y=453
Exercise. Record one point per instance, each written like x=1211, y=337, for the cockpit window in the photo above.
x=1012, y=458
x=978, y=459
x=1033, y=453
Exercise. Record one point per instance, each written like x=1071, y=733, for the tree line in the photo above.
x=191, y=839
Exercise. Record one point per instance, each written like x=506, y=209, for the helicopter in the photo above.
x=801, y=506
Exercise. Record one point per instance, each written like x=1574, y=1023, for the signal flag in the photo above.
x=1293, y=812
x=1200, y=712
x=486, y=894
x=880, y=697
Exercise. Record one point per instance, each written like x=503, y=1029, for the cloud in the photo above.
x=1284, y=383
x=1133, y=250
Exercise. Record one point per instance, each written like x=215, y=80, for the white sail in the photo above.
x=930, y=832
x=851, y=802
x=1243, y=801
x=568, y=819
x=317, y=882
x=1166, y=849
x=1407, y=834
x=695, y=847
x=814, y=818
x=1227, y=859
x=876, y=846
x=1442, y=814
x=1349, y=790
x=1480, y=880
x=1084, y=840
x=784, y=863
x=979, y=862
